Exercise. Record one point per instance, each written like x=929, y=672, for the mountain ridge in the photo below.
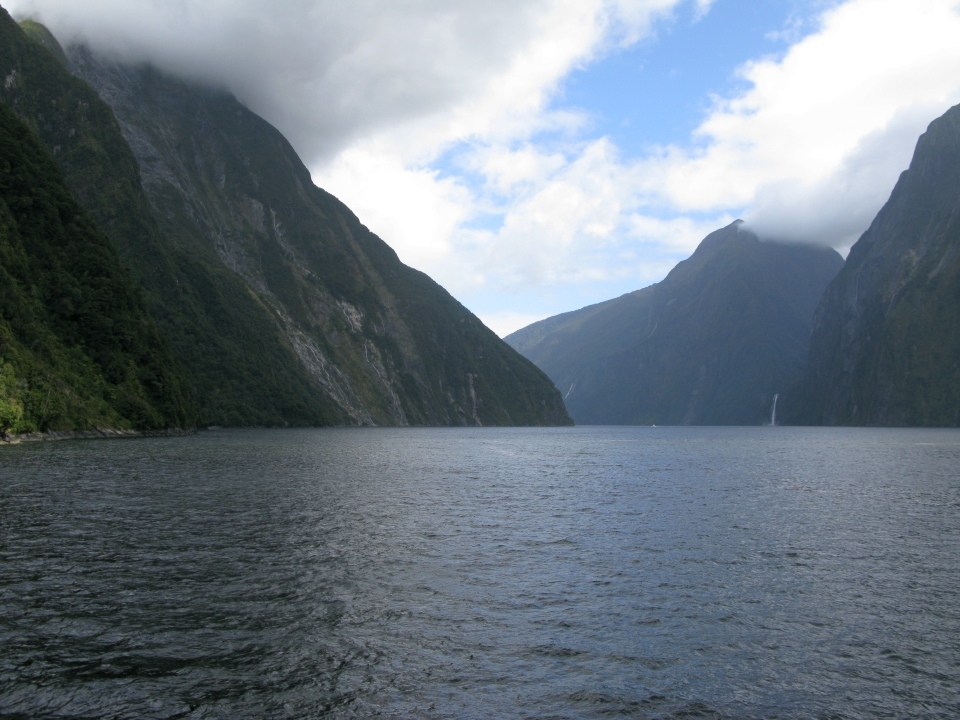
x=885, y=348
x=712, y=343
x=280, y=304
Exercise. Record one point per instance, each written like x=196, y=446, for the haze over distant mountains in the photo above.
x=277, y=305
x=167, y=262
x=743, y=322
x=711, y=344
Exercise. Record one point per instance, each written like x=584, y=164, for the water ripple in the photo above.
x=542, y=573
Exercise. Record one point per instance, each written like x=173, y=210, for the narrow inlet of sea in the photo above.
x=589, y=572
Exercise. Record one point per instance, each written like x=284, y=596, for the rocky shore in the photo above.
x=97, y=433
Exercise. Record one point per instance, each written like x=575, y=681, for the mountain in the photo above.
x=281, y=306
x=885, y=348
x=238, y=368
x=77, y=348
x=711, y=344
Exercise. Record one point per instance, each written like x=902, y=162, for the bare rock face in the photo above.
x=886, y=339
x=712, y=344
x=280, y=305
x=384, y=342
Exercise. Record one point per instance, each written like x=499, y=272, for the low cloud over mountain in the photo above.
x=450, y=128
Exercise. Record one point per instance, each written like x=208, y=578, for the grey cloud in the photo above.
x=837, y=210
x=323, y=71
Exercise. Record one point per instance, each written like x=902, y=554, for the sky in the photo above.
x=537, y=156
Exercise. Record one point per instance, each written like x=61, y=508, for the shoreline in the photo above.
x=95, y=434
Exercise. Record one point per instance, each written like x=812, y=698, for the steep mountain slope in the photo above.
x=77, y=349
x=240, y=369
x=281, y=305
x=886, y=339
x=711, y=344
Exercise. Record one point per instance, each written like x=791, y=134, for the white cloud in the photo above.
x=414, y=207
x=429, y=119
x=836, y=209
x=506, y=322
x=814, y=147
x=331, y=73
x=809, y=151
x=702, y=8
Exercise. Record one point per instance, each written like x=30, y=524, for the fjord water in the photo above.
x=453, y=573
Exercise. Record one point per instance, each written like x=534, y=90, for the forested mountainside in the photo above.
x=712, y=344
x=279, y=304
x=886, y=338
x=77, y=348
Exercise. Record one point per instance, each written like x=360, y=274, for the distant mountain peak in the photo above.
x=712, y=343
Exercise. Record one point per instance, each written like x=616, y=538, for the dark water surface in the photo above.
x=558, y=573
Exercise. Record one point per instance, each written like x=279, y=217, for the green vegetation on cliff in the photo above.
x=279, y=305
x=77, y=349
x=239, y=368
x=39, y=34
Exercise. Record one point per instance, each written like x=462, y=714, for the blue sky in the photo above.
x=535, y=156
x=657, y=90
x=638, y=149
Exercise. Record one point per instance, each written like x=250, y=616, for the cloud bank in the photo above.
x=818, y=141
x=328, y=73
x=443, y=126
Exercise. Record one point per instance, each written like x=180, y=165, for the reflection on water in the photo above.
x=436, y=573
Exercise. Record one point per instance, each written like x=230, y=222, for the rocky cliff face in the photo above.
x=280, y=304
x=886, y=339
x=711, y=344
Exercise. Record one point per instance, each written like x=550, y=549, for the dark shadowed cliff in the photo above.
x=77, y=348
x=711, y=344
x=886, y=340
x=280, y=305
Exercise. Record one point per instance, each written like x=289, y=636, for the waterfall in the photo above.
x=773, y=411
